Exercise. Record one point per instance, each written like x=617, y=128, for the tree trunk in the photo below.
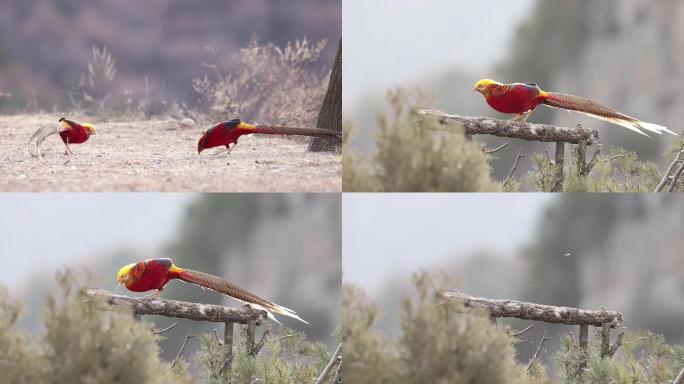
x=330, y=116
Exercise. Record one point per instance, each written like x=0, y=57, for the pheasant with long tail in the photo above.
x=153, y=274
x=522, y=99
x=228, y=132
x=70, y=131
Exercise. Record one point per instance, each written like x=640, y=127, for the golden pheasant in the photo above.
x=70, y=131
x=153, y=274
x=228, y=132
x=522, y=99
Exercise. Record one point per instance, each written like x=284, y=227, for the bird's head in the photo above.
x=482, y=85
x=202, y=140
x=90, y=128
x=125, y=274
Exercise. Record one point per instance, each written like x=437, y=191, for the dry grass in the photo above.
x=157, y=155
x=265, y=83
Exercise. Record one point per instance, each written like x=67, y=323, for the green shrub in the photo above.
x=644, y=358
x=439, y=343
x=411, y=157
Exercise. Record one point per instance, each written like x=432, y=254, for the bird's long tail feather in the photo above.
x=227, y=288
x=44, y=132
x=602, y=112
x=283, y=130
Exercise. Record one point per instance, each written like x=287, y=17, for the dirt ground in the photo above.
x=160, y=156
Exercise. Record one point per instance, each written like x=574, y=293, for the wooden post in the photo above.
x=560, y=164
x=251, y=329
x=581, y=157
x=605, y=340
x=228, y=344
x=584, y=346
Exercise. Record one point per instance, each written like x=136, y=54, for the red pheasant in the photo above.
x=228, y=132
x=70, y=131
x=153, y=274
x=522, y=99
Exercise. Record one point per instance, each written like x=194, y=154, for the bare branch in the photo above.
x=680, y=378
x=594, y=160
x=538, y=312
x=519, y=333
x=180, y=352
x=179, y=309
x=536, y=353
x=516, y=130
x=158, y=331
x=675, y=177
x=515, y=164
x=333, y=360
x=618, y=344
x=666, y=177
x=490, y=151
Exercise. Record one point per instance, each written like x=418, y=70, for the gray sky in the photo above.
x=392, y=42
x=385, y=234
x=41, y=232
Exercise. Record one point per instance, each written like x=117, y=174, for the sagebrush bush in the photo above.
x=439, y=343
x=19, y=355
x=265, y=83
x=644, y=358
x=284, y=358
x=411, y=157
x=84, y=344
x=96, y=85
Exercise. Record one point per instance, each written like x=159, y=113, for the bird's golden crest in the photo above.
x=483, y=84
x=89, y=127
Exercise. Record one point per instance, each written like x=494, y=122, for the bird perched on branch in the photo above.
x=153, y=274
x=522, y=99
x=70, y=131
x=228, y=132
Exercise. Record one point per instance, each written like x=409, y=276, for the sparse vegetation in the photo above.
x=84, y=344
x=411, y=157
x=285, y=358
x=414, y=153
x=442, y=342
x=264, y=82
x=438, y=344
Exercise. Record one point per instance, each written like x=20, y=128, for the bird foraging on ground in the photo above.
x=70, y=131
x=228, y=132
x=522, y=99
x=153, y=274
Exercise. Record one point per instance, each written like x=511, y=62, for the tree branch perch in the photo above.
x=179, y=309
x=516, y=130
x=538, y=312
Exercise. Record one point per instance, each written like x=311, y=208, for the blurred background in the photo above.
x=626, y=54
x=621, y=252
x=158, y=46
x=284, y=247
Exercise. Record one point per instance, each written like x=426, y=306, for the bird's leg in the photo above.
x=514, y=118
x=525, y=116
x=154, y=295
x=67, y=151
x=230, y=148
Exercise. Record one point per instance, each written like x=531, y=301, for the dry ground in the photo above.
x=160, y=156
